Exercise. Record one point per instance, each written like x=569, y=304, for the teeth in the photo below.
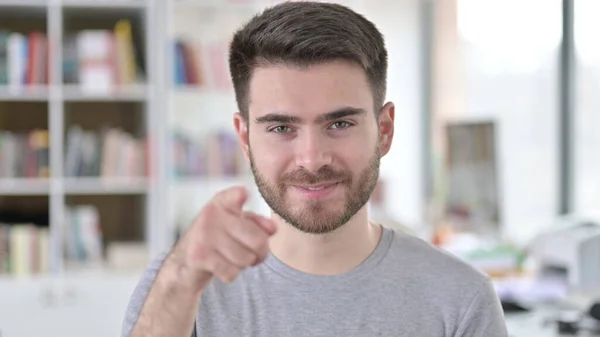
x=315, y=188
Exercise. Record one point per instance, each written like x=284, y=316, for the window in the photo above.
x=497, y=61
x=587, y=107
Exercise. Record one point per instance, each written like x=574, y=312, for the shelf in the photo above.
x=78, y=273
x=106, y=186
x=199, y=91
x=195, y=182
x=233, y=4
x=102, y=186
x=117, y=4
x=23, y=3
x=31, y=94
x=75, y=93
x=24, y=186
x=221, y=4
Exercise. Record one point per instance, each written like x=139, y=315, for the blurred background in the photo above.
x=116, y=127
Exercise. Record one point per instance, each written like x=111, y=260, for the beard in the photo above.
x=314, y=216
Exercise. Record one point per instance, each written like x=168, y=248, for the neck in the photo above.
x=333, y=253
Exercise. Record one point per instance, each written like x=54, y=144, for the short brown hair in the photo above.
x=304, y=33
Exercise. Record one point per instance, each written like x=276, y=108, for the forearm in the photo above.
x=171, y=306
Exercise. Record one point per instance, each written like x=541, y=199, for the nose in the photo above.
x=313, y=152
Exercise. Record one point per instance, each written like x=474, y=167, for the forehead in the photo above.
x=308, y=91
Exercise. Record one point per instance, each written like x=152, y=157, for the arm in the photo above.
x=484, y=316
x=162, y=304
x=220, y=243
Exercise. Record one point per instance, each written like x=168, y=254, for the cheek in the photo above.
x=268, y=156
x=359, y=149
x=356, y=159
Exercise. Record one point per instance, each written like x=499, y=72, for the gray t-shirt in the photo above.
x=405, y=288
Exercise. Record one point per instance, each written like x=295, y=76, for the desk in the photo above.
x=535, y=324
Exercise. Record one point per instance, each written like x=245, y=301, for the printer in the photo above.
x=571, y=251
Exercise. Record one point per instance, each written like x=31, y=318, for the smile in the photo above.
x=316, y=191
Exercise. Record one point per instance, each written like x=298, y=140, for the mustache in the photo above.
x=325, y=173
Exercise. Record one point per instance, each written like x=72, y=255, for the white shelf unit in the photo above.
x=81, y=299
x=68, y=104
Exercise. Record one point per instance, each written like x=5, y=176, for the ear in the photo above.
x=386, y=127
x=241, y=128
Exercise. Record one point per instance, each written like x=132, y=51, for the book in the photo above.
x=105, y=153
x=23, y=59
x=24, y=155
x=24, y=249
x=82, y=235
x=216, y=155
x=102, y=60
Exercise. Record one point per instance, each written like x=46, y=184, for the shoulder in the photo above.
x=442, y=280
x=435, y=267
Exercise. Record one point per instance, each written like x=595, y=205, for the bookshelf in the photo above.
x=78, y=88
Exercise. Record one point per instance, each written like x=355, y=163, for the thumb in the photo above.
x=266, y=224
x=232, y=199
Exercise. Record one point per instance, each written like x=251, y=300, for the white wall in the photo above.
x=401, y=168
x=587, y=107
x=587, y=140
x=525, y=106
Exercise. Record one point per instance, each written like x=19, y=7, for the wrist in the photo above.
x=180, y=275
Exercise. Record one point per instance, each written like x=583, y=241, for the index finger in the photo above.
x=266, y=224
x=232, y=199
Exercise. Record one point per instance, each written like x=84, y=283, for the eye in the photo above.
x=341, y=125
x=280, y=129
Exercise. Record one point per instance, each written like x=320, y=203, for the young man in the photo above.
x=310, y=82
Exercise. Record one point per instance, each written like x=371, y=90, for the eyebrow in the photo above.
x=281, y=117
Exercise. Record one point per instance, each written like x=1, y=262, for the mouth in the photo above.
x=317, y=187
x=316, y=191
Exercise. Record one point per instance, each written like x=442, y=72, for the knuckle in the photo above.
x=208, y=212
x=257, y=242
x=262, y=254
x=202, y=233
x=249, y=259
x=240, y=257
x=232, y=273
x=215, y=266
x=228, y=273
x=205, y=228
x=220, y=194
x=200, y=251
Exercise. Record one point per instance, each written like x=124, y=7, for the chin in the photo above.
x=313, y=221
x=317, y=230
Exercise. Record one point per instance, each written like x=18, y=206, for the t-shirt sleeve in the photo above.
x=484, y=315
x=138, y=297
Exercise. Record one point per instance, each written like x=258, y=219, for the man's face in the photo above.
x=314, y=142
